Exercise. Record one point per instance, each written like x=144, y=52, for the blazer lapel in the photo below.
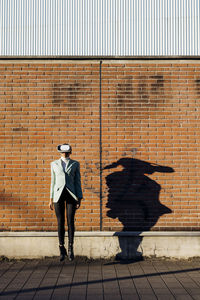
x=70, y=164
x=59, y=164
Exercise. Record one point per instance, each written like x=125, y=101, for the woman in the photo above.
x=65, y=192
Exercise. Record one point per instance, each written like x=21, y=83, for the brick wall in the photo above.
x=138, y=145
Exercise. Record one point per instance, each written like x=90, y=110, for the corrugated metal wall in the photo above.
x=99, y=27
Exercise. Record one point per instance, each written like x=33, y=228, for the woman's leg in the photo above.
x=71, y=208
x=60, y=214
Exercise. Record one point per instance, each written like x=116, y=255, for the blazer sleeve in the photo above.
x=52, y=182
x=77, y=182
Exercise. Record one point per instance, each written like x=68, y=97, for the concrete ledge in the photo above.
x=177, y=244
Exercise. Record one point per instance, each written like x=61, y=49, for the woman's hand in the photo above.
x=78, y=203
x=51, y=204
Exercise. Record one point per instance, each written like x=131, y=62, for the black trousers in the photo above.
x=68, y=202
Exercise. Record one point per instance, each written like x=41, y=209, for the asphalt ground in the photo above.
x=48, y=278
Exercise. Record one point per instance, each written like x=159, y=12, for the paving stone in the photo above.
x=143, y=291
x=97, y=297
x=129, y=290
x=184, y=297
x=111, y=297
x=196, y=297
x=130, y=297
x=194, y=291
x=178, y=291
x=148, y=297
x=165, y=297
x=161, y=291
x=94, y=291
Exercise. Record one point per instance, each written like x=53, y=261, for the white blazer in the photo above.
x=71, y=178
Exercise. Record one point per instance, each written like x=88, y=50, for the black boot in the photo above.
x=70, y=252
x=63, y=252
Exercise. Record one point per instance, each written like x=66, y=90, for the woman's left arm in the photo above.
x=77, y=182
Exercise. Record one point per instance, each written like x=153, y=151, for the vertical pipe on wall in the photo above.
x=100, y=146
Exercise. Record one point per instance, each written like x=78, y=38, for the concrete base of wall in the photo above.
x=124, y=245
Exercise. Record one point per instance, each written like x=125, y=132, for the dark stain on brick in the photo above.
x=131, y=151
x=55, y=117
x=68, y=94
x=90, y=170
x=142, y=89
x=20, y=129
x=124, y=91
x=158, y=85
x=140, y=95
x=197, y=81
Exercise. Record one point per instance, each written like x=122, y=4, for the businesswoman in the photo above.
x=65, y=192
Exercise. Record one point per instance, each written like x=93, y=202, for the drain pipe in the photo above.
x=100, y=146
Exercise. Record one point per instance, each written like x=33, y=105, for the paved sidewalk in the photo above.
x=149, y=279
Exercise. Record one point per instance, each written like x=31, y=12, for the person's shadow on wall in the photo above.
x=133, y=198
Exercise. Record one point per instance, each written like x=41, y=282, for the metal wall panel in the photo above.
x=99, y=27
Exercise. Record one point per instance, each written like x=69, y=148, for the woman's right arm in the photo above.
x=52, y=187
